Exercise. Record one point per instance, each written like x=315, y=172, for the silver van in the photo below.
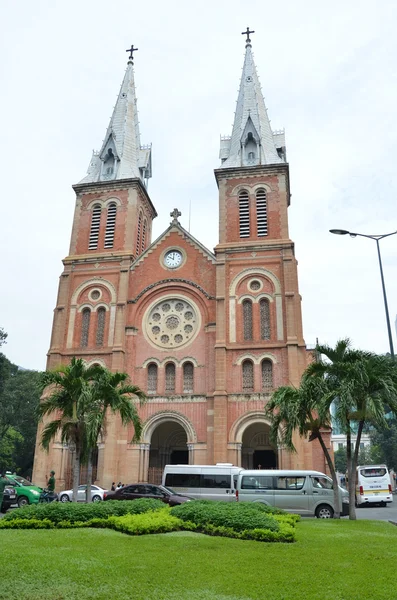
x=205, y=482
x=307, y=493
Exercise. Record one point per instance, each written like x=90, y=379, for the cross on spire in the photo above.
x=131, y=51
x=175, y=214
x=247, y=33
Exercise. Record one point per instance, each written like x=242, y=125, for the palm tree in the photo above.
x=109, y=392
x=302, y=409
x=65, y=388
x=363, y=388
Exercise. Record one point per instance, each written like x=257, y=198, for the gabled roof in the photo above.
x=250, y=110
x=176, y=227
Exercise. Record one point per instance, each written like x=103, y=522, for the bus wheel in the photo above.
x=324, y=512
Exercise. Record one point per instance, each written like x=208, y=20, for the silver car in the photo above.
x=97, y=494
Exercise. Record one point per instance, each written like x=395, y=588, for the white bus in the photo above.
x=307, y=493
x=373, y=485
x=205, y=482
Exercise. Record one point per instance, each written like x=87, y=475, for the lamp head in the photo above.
x=339, y=231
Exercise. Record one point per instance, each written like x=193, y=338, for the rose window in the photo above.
x=172, y=324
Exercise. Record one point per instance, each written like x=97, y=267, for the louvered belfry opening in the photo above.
x=261, y=213
x=138, y=234
x=144, y=232
x=110, y=225
x=244, y=214
x=95, y=225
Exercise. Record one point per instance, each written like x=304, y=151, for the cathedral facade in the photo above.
x=208, y=335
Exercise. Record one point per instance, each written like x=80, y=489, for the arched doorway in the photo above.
x=256, y=451
x=168, y=445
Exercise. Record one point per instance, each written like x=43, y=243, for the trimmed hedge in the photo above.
x=75, y=512
x=243, y=521
x=233, y=515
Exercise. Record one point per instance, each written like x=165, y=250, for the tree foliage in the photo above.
x=384, y=444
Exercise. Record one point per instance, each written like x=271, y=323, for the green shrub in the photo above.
x=73, y=511
x=233, y=515
x=153, y=522
x=26, y=524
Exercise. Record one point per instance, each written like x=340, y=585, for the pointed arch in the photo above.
x=144, y=234
x=95, y=226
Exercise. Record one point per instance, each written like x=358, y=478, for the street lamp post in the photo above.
x=376, y=238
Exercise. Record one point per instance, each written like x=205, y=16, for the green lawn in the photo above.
x=332, y=560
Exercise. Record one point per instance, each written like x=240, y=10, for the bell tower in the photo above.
x=259, y=342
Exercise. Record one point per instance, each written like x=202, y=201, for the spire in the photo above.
x=252, y=141
x=121, y=155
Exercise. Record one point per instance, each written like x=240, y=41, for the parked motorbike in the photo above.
x=48, y=496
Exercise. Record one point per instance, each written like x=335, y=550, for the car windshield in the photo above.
x=167, y=489
x=21, y=480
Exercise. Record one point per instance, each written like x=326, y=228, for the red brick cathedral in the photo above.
x=207, y=334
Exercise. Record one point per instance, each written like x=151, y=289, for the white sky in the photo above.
x=328, y=72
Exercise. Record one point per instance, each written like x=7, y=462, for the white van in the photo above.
x=373, y=485
x=205, y=482
x=307, y=493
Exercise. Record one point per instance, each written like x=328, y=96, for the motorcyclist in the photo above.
x=3, y=483
x=51, y=483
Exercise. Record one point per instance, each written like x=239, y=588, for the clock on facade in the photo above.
x=172, y=259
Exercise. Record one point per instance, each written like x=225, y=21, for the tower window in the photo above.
x=264, y=309
x=85, y=327
x=267, y=375
x=244, y=214
x=188, y=372
x=261, y=213
x=95, y=225
x=138, y=234
x=100, y=326
x=247, y=319
x=248, y=376
x=170, y=378
x=152, y=378
x=110, y=225
x=251, y=155
x=144, y=231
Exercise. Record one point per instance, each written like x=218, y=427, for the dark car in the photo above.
x=9, y=498
x=133, y=491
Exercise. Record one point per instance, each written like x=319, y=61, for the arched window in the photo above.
x=264, y=310
x=248, y=376
x=169, y=378
x=188, y=374
x=110, y=225
x=85, y=327
x=261, y=213
x=267, y=375
x=247, y=319
x=100, y=325
x=144, y=231
x=138, y=234
x=95, y=225
x=244, y=214
x=152, y=378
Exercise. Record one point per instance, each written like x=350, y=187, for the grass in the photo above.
x=332, y=560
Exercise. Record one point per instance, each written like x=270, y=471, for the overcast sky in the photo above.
x=328, y=73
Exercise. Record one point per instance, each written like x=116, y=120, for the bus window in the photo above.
x=373, y=472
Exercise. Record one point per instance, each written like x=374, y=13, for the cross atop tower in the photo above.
x=175, y=214
x=132, y=50
x=247, y=33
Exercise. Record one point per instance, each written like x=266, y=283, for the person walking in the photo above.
x=3, y=483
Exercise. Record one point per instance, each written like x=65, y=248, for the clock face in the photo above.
x=173, y=259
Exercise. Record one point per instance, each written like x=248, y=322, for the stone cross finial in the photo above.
x=175, y=214
x=131, y=51
x=247, y=33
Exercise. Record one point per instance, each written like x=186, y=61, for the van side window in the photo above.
x=259, y=482
x=191, y=480
x=216, y=481
x=321, y=483
x=290, y=483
